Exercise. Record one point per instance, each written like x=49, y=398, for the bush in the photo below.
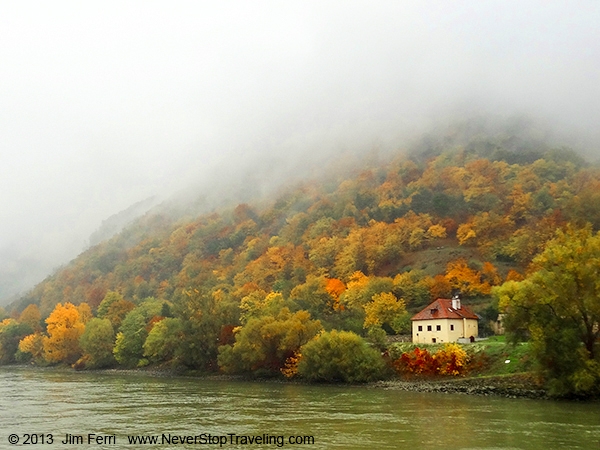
x=340, y=356
x=451, y=359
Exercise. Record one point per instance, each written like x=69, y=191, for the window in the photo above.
x=451, y=327
x=438, y=328
x=428, y=327
x=420, y=327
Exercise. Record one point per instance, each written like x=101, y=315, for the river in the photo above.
x=105, y=410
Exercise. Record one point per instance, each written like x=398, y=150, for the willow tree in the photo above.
x=558, y=306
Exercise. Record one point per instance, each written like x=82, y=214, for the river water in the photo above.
x=109, y=409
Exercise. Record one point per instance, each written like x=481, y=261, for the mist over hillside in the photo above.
x=336, y=253
x=107, y=105
x=494, y=188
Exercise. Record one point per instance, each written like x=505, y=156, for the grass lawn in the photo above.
x=495, y=357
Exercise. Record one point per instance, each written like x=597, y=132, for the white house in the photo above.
x=444, y=320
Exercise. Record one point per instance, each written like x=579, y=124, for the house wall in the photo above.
x=471, y=328
x=462, y=328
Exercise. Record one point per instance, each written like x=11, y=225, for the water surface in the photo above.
x=339, y=417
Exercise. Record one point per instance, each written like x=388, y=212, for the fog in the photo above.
x=107, y=104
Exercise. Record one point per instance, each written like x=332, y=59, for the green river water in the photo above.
x=114, y=408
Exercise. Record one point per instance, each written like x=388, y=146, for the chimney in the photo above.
x=456, y=302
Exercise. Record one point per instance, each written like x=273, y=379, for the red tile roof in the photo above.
x=442, y=309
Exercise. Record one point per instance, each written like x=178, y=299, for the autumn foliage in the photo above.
x=243, y=289
x=451, y=359
x=64, y=328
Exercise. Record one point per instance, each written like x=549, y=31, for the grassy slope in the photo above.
x=496, y=368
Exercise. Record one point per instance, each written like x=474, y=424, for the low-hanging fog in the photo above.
x=106, y=104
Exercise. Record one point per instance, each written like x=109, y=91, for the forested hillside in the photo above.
x=242, y=289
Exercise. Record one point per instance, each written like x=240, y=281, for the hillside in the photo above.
x=402, y=216
x=359, y=251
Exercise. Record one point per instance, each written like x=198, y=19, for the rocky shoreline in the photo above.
x=514, y=386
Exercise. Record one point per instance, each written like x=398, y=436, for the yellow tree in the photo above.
x=34, y=345
x=64, y=328
x=467, y=280
x=384, y=308
x=85, y=313
x=436, y=232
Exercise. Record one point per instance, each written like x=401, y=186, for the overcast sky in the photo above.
x=106, y=103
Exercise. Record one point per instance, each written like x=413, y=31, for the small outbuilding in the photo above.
x=444, y=320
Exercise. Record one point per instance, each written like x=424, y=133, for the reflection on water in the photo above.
x=339, y=417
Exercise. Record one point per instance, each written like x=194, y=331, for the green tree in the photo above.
x=558, y=306
x=313, y=297
x=203, y=316
x=265, y=343
x=108, y=300
x=340, y=356
x=129, y=345
x=413, y=286
x=130, y=340
x=11, y=332
x=97, y=342
x=163, y=343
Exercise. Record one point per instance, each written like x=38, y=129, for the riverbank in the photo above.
x=523, y=385
x=510, y=386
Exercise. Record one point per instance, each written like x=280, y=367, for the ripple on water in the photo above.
x=339, y=417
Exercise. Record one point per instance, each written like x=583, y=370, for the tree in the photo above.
x=31, y=316
x=203, y=316
x=85, y=312
x=340, y=356
x=467, y=280
x=11, y=332
x=32, y=347
x=451, y=359
x=413, y=286
x=558, y=305
x=64, y=330
x=110, y=298
x=97, y=342
x=386, y=309
x=117, y=311
x=313, y=296
x=266, y=342
x=163, y=343
x=259, y=303
x=130, y=339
